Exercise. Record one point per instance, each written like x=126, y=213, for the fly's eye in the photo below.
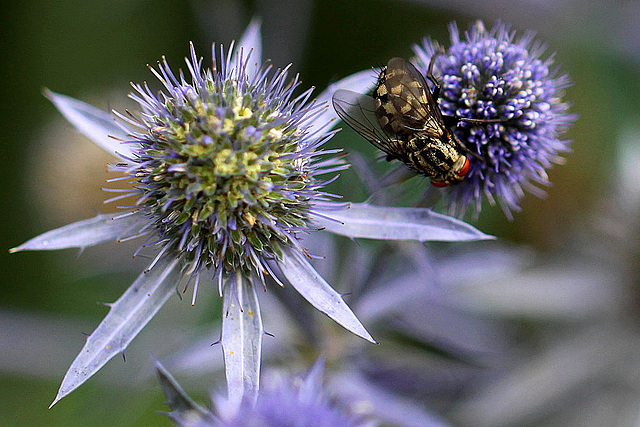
x=465, y=167
x=438, y=183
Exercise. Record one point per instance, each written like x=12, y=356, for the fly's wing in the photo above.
x=410, y=99
x=358, y=111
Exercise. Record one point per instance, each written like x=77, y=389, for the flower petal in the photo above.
x=393, y=223
x=306, y=280
x=251, y=43
x=352, y=387
x=360, y=82
x=242, y=334
x=185, y=410
x=88, y=232
x=94, y=123
x=126, y=318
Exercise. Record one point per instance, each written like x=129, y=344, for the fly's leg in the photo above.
x=452, y=121
x=436, y=86
x=466, y=150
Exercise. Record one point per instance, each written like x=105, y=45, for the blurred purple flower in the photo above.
x=284, y=400
x=489, y=74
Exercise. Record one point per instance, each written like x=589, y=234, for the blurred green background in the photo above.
x=92, y=50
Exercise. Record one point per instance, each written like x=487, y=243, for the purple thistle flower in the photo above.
x=285, y=400
x=493, y=75
x=227, y=169
x=293, y=401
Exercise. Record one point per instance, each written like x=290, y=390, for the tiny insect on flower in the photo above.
x=403, y=119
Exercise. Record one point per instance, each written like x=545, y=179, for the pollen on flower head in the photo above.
x=489, y=74
x=223, y=164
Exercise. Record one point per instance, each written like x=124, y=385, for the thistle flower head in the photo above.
x=287, y=400
x=223, y=164
x=489, y=74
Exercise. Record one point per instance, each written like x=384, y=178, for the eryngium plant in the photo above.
x=226, y=168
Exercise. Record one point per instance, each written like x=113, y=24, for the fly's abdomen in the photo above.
x=432, y=157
